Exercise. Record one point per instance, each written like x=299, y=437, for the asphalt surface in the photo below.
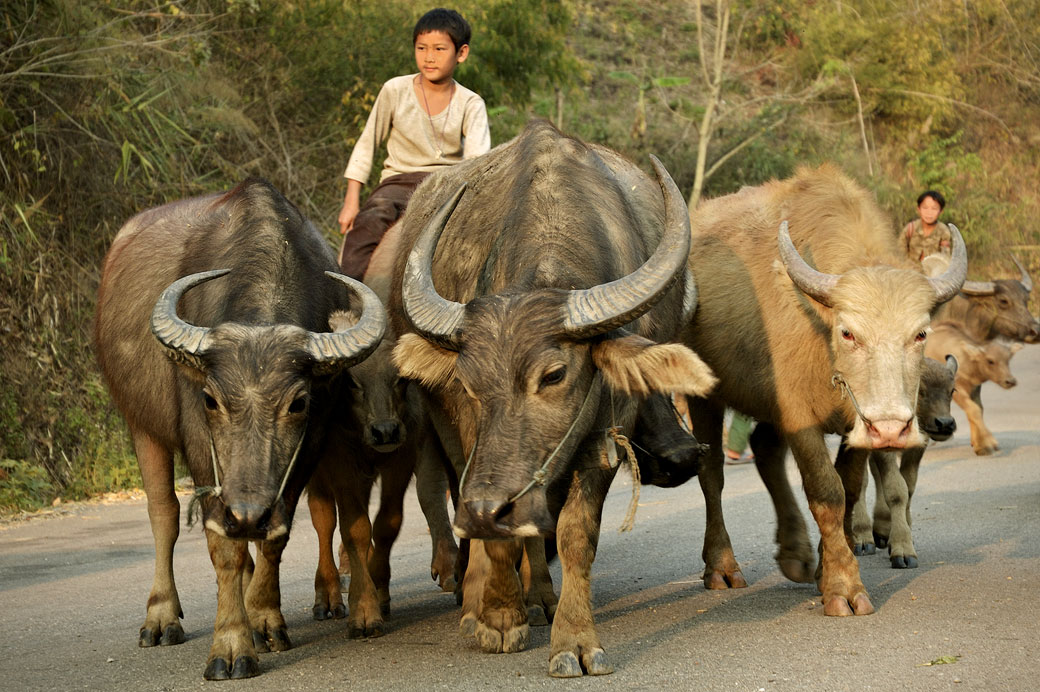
x=73, y=586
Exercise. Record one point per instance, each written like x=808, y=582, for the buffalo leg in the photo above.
x=328, y=602
x=431, y=487
x=364, y=618
x=574, y=646
x=982, y=440
x=162, y=623
x=721, y=570
x=837, y=574
x=502, y=622
x=794, y=553
x=264, y=598
x=862, y=529
x=394, y=479
x=232, y=654
x=474, y=576
x=896, y=499
x=538, y=589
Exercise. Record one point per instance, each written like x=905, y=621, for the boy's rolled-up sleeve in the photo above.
x=377, y=129
x=476, y=134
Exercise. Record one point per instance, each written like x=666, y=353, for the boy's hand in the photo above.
x=347, y=215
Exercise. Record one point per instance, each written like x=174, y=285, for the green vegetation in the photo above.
x=111, y=107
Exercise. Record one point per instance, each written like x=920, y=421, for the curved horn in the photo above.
x=600, y=309
x=978, y=288
x=812, y=282
x=185, y=342
x=434, y=317
x=334, y=351
x=947, y=284
x=1026, y=282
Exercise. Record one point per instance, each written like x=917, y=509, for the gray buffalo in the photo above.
x=532, y=292
x=986, y=310
x=814, y=323
x=212, y=334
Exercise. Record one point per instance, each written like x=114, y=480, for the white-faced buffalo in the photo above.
x=213, y=336
x=980, y=362
x=530, y=304
x=817, y=329
x=895, y=473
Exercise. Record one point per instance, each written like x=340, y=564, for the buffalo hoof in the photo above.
x=903, y=562
x=566, y=664
x=880, y=541
x=838, y=606
x=370, y=631
x=510, y=641
x=276, y=640
x=798, y=571
x=536, y=616
x=384, y=609
x=864, y=549
x=337, y=612
x=244, y=667
x=987, y=450
x=172, y=635
x=718, y=580
x=468, y=625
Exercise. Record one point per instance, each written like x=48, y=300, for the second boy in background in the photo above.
x=427, y=120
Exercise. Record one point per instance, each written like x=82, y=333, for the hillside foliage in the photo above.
x=110, y=107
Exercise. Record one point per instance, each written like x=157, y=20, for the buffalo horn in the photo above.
x=979, y=288
x=947, y=284
x=602, y=308
x=1026, y=282
x=436, y=318
x=185, y=342
x=812, y=282
x=334, y=351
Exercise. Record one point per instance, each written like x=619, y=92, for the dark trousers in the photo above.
x=382, y=208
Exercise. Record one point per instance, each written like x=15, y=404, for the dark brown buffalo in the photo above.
x=834, y=346
x=213, y=336
x=986, y=310
x=895, y=473
x=530, y=300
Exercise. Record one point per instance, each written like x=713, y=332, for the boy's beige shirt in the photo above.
x=460, y=131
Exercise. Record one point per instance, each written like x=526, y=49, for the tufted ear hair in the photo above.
x=638, y=366
x=422, y=360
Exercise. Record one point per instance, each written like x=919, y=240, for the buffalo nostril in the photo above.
x=231, y=521
x=386, y=432
x=264, y=521
x=489, y=511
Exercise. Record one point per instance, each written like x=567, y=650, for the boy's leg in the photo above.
x=382, y=208
x=737, y=436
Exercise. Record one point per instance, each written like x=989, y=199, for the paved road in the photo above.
x=73, y=588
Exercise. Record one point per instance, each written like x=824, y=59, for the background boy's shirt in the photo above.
x=938, y=242
x=460, y=131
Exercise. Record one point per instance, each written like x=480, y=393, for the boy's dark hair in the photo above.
x=448, y=21
x=937, y=196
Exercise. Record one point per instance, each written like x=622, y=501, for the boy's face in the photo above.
x=928, y=210
x=436, y=57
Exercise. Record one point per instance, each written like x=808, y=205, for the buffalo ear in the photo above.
x=419, y=359
x=639, y=366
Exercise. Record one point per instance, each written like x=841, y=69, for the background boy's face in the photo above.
x=928, y=210
x=436, y=57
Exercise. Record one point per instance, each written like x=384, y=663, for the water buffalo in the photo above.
x=531, y=301
x=979, y=362
x=386, y=430
x=895, y=473
x=807, y=350
x=986, y=310
x=237, y=374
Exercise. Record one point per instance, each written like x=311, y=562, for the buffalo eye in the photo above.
x=553, y=377
x=921, y=336
x=847, y=335
x=298, y=405
x=211, y=403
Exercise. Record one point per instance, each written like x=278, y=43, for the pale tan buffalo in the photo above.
x=815, y=323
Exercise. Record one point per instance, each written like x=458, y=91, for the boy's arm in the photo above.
x=475, y=131
x=377, y=128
